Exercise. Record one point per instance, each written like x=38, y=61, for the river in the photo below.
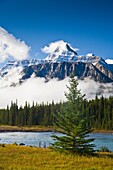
x=45, y=139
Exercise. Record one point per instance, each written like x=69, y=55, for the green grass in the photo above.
x=14, y=157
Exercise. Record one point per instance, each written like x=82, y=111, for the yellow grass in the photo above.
x=14, y=157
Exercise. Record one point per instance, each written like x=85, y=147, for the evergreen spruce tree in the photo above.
x=71, y=121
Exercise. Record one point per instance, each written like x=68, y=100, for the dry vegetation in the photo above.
x=8, y=128
x=14, y=157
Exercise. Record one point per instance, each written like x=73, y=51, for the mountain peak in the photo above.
x=71, y=49
x=59, y=51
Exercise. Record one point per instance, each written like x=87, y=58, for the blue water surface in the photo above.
x=44, y=138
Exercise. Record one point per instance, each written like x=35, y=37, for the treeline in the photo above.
x=42, y=114
x=99, y=113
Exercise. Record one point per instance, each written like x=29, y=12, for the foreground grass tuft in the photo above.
x=13, y=157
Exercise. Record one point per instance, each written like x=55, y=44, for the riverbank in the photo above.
x=24, y=157
x=7, y=128
x=103, y=131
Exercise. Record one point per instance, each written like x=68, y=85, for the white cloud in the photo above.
x=91, y=88
x=35, y=89
x=12, y=47
x=109, y=61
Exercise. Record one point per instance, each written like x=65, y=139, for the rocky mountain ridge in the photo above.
x=62, y=60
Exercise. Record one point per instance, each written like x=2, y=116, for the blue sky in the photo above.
x=85, y=24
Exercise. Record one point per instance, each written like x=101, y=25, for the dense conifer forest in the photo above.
x=99, y=113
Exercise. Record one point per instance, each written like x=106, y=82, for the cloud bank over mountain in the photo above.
x=35, y=89
x=12, y=47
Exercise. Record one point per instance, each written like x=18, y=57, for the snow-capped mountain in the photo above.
x=61, y=61
x=64, y=52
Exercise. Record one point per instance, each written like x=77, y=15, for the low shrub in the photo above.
x=104, y=149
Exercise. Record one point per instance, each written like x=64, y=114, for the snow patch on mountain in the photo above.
x=109, y=61
x=11, y=77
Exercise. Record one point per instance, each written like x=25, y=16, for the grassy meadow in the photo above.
x=31, y=158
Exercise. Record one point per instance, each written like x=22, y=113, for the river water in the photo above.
x=45, y=139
